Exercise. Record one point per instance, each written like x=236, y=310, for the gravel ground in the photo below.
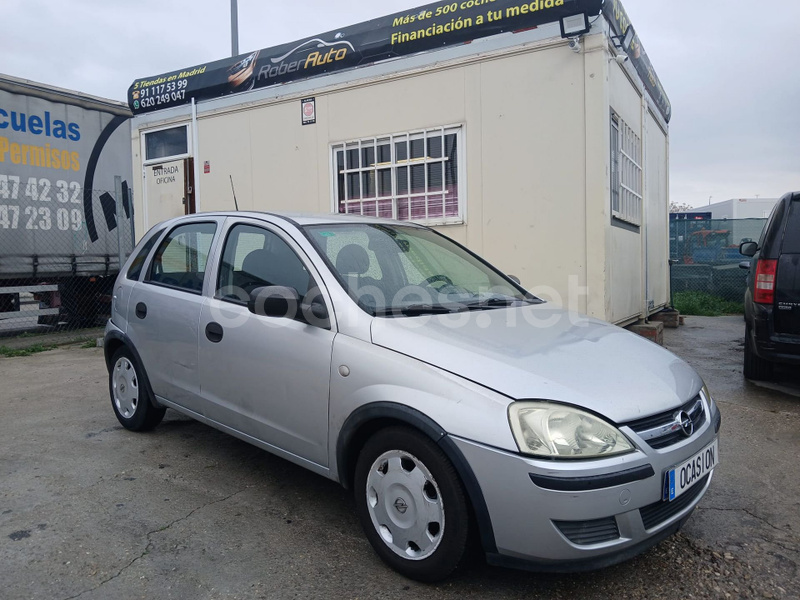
x=90, y=510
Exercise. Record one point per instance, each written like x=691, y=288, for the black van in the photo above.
x=772, y=299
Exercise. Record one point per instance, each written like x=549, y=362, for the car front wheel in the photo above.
x=411, y=504
x=130, y=393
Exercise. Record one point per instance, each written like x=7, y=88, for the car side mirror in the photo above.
x=748, y=248
x=318, y=310
x=274, y=301
x=515, y=279
x=316, y=313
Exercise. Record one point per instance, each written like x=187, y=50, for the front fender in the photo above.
x=383, y=387
x=374, y=374
x=369, y=418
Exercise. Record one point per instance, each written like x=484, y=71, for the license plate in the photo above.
x=683, y=476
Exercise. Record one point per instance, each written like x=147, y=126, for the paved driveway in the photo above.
x=90, y=510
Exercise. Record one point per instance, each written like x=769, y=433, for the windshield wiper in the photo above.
x=495, y=302
x=414, y=310
x=427, y=309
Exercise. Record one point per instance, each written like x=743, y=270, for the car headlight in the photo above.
x=712, y=406
x=550, y=430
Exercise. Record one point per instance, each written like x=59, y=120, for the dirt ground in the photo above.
x=89, y=510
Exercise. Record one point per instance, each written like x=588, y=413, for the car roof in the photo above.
x=301, y=219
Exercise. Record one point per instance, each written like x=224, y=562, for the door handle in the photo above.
x=214, y=332
x=141, y=310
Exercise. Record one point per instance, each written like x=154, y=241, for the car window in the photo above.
x=180, y=260
x=791, y=235
x=361, y=262
x=254, y=257
x=138, y=263
x=390, y=269
x=769, y=235
x=340, y=240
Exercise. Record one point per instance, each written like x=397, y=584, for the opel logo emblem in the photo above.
x=401, y=506
x=685, y=422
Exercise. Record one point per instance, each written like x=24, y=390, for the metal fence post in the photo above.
x=118, y=195
x=129, y=200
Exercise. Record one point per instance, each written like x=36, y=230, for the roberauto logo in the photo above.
x=310, y=54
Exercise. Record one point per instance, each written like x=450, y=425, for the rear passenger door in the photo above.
x=164, y=312
x=787, y=285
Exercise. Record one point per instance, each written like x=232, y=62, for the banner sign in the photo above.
x=618, y=18
x=430, y=27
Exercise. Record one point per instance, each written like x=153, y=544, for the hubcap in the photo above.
x=126, y=387
x=405, y=504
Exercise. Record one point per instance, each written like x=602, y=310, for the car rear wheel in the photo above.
x=130, y=393
x=755, y=367
x=411, y=504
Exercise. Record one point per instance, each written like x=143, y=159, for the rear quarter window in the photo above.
x=770, y=237
x=138, y=263
x=791, y=234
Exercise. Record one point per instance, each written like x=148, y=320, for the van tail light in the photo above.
x=765, y=281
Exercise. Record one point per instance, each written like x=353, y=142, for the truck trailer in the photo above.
x=65, y=209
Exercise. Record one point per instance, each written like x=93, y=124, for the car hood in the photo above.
x=542, y=352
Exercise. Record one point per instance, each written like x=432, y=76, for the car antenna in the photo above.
x=235, y=203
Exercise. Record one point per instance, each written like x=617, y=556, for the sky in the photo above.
x=730, y=67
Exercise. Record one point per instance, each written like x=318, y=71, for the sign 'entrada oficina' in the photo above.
x=427, y=28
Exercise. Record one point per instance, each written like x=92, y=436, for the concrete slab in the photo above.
x=90, y=510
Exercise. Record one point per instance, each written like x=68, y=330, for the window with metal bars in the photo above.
x=411, y=176
x=626, y=173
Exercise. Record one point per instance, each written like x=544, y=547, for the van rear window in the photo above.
x=791, y=235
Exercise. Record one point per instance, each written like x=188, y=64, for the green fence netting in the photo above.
x=705, y=255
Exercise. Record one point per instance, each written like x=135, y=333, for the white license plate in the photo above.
x=683, y=476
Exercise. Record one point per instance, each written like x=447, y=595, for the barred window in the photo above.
x=626, y=173
x=411, y=176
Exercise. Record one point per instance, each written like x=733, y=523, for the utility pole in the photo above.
x=234, y=28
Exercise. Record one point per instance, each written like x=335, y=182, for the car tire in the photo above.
x=755, y=367
x=411, y=504
x=131, y=397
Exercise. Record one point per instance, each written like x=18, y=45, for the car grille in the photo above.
x=658, y=430
x=585, y=533
x=658, y=512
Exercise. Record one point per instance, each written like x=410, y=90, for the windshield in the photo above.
x=396, y=270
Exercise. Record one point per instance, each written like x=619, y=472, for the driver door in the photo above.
x=263, y=376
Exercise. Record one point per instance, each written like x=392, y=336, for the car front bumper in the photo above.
x=571, y=529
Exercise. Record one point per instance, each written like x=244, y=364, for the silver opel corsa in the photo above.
x=393, y=360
